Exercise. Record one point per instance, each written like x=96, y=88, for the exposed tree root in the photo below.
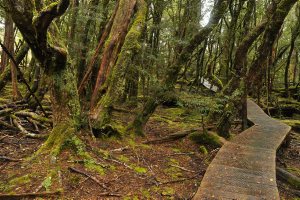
x=172, y=137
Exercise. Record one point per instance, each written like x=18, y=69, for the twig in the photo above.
x=37, y=136
x=6, y=111
x=108, y=194
x=120, y=149
x=180, y=154
x=7, y=159
x=119, y=162
x=172, y=137
x=2, y=138
x=33, y=123
x=177, y=181
x=72, y=169
x=182, y=168
x=29, y=195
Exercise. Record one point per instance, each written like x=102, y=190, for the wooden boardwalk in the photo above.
x=245, y=168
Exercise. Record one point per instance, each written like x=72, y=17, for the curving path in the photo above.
x=245, y=167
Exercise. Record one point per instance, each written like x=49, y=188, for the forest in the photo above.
x=150, y=99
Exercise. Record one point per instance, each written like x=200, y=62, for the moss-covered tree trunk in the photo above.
x=294, y=36
x=53, y=59
x=113, y=45
x=100, y=116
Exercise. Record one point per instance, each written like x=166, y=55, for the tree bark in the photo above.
x=100, y=116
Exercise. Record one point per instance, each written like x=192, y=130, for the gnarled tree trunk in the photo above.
x=100, y=116
x=113, y=46
x=53, y=59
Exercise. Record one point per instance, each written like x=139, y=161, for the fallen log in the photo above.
x=288, y=178
x=172, y=137
x=30, y=195
x=7, y=159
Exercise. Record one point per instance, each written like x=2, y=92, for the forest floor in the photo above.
x=126, y=167
x=129, y=168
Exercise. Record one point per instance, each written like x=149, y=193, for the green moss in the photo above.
x=91, y=165
x=293, y=123
x=294, y=170
x=160, y=118
x=65, y=93
x=20, y=180
x=146, y=194
x=123, y=158
x=60, y=133
x=79, y=147
x=203, y=150
x=168, y=191
x=140, y=170
x=16, y=182
x=3, y=186
x=172, y=171
x=47, y=183
x=206, y=139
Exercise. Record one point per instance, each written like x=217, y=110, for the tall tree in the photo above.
x=111, y=79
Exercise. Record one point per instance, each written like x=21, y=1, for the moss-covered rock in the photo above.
x=206, y=139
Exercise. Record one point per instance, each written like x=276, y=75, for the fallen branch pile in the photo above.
x=19, y=117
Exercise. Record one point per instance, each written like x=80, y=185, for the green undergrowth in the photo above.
x=295, y=124
x=14, y=183
x=79, y=148
x=206, y=138
x=294, y=170
x=171, y=170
